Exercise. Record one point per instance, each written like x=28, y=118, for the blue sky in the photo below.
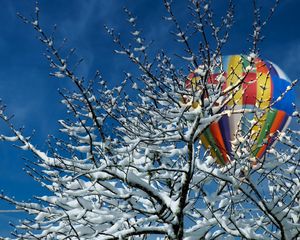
x=30, y=94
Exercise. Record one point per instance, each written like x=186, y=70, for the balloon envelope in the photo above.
x=263, y=91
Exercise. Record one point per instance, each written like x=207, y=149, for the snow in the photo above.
x=131, y=20
x=135, y=86
x=58, y=74
x=50, y=43
x=135, y=33
x=190, y=58
x=139, y=40
x=63, y=67
x=251, y=56
x=201, y=70
x=9, y=139
x=120, y=52
x=142, y=48
x=35, y=23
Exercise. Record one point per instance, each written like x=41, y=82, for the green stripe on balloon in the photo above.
x=265, y=130
x=245, y=62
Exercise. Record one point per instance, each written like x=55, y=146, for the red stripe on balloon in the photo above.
x=261, y=66
x=216, y=133
x=249, y=86
x=279, y=122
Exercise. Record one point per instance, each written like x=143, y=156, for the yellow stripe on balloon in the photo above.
x=208, y=146
x=263, y=89
x=235, y=75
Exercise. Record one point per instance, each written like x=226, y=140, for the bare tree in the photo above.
x=150, y=174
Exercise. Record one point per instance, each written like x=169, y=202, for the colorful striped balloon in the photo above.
x=263, y=84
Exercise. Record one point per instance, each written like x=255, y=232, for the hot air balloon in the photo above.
x=262, y=90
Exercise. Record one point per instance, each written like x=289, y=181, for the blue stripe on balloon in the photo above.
x=279, y=87
x=225, y=130
x=272, y=70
